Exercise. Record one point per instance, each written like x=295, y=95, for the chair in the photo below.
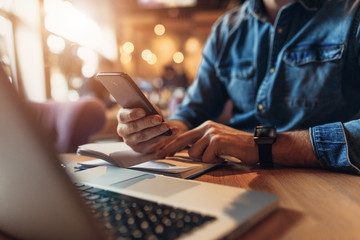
x=70, y=124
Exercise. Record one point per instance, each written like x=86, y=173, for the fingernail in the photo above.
x=155, y=121
x=140, y=113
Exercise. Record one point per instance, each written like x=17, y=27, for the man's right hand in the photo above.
x=143, y=133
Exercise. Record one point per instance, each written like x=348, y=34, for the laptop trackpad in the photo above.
x=107, y=175
x=155, y=185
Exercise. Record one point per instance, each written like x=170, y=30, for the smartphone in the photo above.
x=126, y=93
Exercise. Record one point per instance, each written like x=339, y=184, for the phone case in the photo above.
x=126, y=93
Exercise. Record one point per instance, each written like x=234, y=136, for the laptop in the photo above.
x=40, y=200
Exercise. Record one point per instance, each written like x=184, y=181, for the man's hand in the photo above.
x=210, y=140
x=143, y=133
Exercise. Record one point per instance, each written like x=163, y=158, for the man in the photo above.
x=289, y=64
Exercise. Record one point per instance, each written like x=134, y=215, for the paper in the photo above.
x=117, y=153
x=95, y=163
x=120, y=154
x=162, y=165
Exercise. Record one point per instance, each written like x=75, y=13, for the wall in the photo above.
x=29, y=48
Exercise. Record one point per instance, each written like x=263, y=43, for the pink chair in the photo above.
x=70, y=124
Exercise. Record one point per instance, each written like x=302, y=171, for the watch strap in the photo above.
x=265, y=155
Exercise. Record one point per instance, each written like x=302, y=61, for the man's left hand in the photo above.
x=210, y=140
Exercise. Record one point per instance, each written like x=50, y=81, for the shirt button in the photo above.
x=261, y=107
x=272, y=70
x=280, y=30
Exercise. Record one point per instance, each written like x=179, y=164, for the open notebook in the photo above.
x=120, y=154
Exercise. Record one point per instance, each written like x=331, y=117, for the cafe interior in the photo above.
x=53, y=49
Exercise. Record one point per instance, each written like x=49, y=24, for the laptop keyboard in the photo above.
x=127, y=217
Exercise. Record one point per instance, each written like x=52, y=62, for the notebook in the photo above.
x=119, y=154
x=39, y=199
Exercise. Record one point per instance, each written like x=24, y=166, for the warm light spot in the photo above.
x=153, y=59
x=128, y=47
x=178, y=57
x=77, y=82
x=73, y=95
x=63, y=19
x=192, y=44
x=88, y=70
x=146, y=54
x=125, y=58
x=6, y=4
x=159, y=29
x=86, y=53
x=59, y=87
x=56, y=44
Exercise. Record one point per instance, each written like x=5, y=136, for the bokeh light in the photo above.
x=159, y=29
x=56, y=44
x=178, y=57
x=86, y=53
x=149, y=56
x=125, y=58
x=192, y=45
x=146, y=54
x=153, y=59
x=128, y=47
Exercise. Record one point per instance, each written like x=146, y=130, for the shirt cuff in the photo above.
x=331, y=148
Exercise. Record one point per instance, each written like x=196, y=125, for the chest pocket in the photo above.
x=239, y=80
x=313, y=74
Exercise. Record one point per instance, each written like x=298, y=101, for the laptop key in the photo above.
x=127, y=217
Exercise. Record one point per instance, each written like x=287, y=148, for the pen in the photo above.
x=237, y=162
x=230, y=158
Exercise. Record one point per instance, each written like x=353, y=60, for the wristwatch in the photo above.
x=264, y=137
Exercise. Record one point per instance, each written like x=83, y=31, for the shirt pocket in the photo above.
x=238, y=78
x=313, y=74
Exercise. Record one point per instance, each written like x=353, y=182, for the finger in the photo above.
x=210, y=154
x=180, y=143
x=198, y=148
x=126, y=115
x=154, y=144
x=126, y=129
x=147, y=134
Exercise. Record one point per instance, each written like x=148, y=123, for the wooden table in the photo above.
x=314, y=204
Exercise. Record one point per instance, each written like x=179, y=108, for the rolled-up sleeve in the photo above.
x=207, y=95
x=336, y=145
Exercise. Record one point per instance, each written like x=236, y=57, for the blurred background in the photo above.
x=53, y=48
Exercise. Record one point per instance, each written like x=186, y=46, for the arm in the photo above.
x=207, y=95
x=332, y=146
x=294, y=149
x=210, y=140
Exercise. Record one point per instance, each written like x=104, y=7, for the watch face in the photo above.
x=265, y=132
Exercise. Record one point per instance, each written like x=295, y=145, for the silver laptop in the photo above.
x=39, y=200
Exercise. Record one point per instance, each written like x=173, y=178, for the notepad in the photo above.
x=121, y=155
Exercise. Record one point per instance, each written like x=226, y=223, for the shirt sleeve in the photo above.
x=206, y=97
x=336, y=146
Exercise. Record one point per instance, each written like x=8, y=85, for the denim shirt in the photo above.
x=302, y=72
